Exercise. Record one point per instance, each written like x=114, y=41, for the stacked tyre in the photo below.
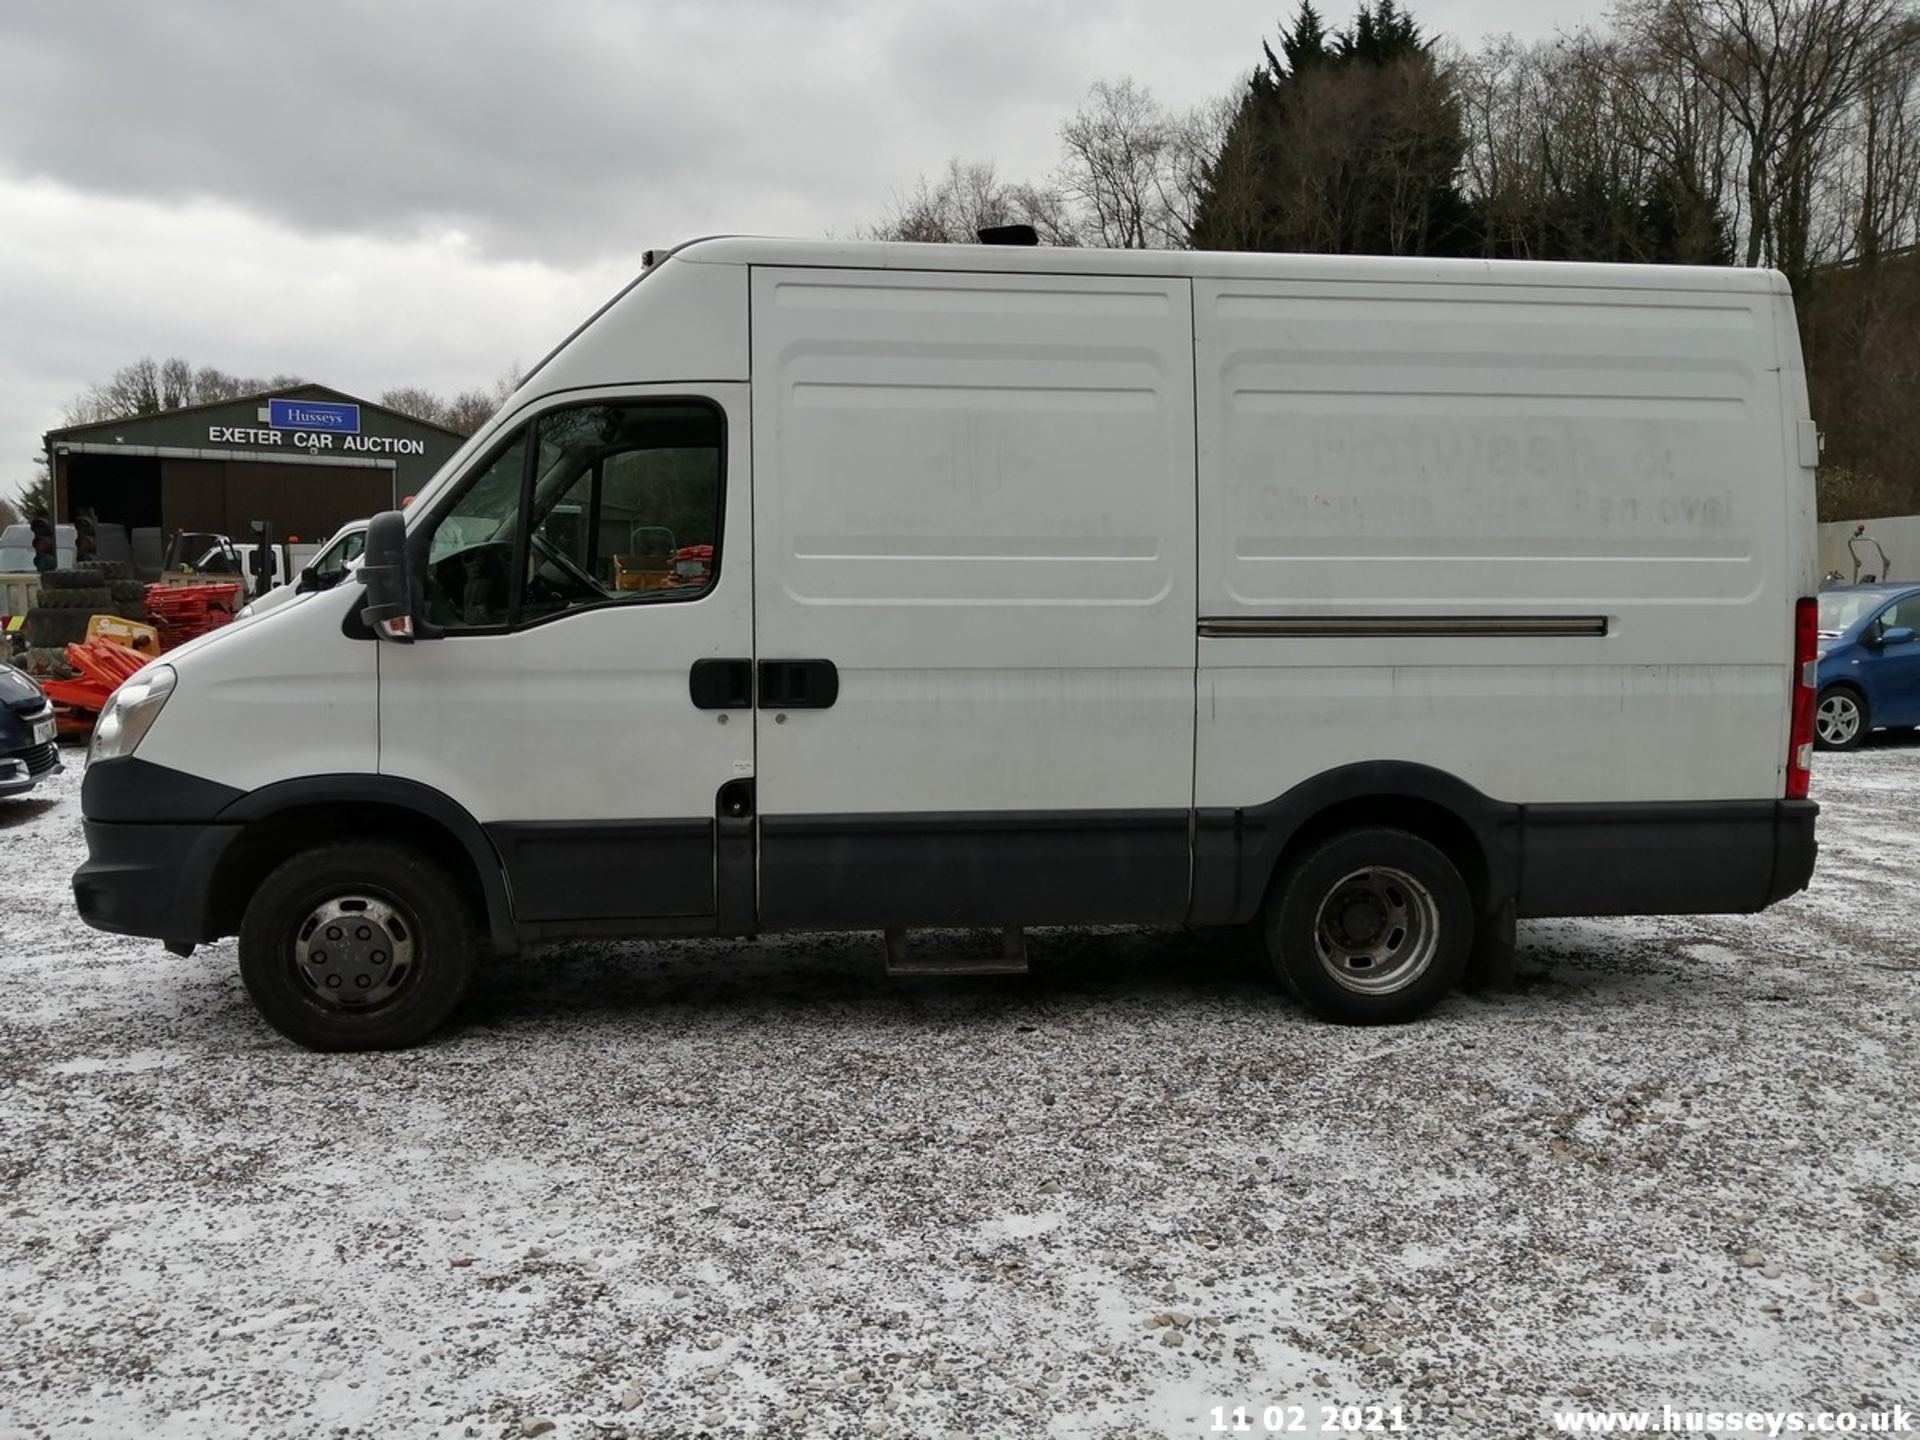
x=69, y=599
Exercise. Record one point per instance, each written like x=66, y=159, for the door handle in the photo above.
x=721, y=684
x=798, y=684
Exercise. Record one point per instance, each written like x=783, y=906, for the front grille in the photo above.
x=40, y=758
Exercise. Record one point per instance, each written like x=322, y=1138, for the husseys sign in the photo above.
x=312, y=425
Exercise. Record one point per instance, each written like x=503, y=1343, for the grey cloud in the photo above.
x=572, y=129
x=561, y=136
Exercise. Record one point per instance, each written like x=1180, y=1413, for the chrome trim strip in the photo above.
x=1376, y=626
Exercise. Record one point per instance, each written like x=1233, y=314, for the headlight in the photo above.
x=130, y=713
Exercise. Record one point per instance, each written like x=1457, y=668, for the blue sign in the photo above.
x=313, y=415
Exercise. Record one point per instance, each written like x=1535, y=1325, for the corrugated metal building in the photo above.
x=307, y=458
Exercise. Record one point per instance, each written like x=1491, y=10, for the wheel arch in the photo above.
x=276, y=821
x=1240, y=852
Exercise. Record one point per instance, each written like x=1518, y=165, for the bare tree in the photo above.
x=1199, y=137
x=417, y=401
x=1881, y=174
x=1130, y=177
x=147, y=387
x=1123, y=169
x=465, y=412
x=1786, y=73
x=968, y=197
x=470, y=409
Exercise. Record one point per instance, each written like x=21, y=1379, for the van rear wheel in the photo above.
x=359, y=945
x=1370, y=926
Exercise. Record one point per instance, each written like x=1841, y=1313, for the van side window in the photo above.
x=601, y=504
x=626, y=506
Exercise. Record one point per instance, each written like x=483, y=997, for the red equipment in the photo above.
x=186, y=611
x=103, y=665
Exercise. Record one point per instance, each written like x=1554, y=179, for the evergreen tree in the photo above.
x=36, y=496
x=1345, y=144
x=1380, y=36
x=1303, y=47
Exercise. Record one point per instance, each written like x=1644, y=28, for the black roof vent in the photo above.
x=1008, y=235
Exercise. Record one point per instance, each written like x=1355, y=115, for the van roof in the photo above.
x=1212, y=264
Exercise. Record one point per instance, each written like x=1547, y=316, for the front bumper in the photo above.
x=21, y=770
x=151, y=880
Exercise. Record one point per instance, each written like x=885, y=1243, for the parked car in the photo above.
x=28, y=751
x=16, y=548
x=1869, y=673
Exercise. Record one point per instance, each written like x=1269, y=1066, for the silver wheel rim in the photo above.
x=1376, y=931
x=354, y=951
x=1838, y=719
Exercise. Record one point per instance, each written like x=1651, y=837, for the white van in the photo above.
x=814, y=584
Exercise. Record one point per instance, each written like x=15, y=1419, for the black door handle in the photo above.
x=798, y=684
x=721, y=684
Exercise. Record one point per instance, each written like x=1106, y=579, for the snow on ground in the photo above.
x=665, y=1190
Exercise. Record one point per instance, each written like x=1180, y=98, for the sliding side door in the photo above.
x=974, y=598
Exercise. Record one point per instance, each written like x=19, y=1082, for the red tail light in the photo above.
x=1806, y=644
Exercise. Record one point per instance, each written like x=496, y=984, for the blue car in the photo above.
x=1869, y=674
x=27, y=749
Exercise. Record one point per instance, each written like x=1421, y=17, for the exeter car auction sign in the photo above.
x=313, y=425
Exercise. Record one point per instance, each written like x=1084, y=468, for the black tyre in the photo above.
x=49, y=629
x=131, y=592
x=357, y=945
x=95, y=601
x=1840, y=719
x=1370, y=926
x=106, y=569
x=69, y=580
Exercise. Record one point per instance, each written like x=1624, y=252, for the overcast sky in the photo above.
x=384, y=192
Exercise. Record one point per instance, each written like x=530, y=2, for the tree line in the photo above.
x=1783, y=133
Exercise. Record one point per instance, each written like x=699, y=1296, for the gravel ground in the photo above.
x=708, y=1188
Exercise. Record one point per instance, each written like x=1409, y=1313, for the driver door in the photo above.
x=565, y=703
x=1895, y=667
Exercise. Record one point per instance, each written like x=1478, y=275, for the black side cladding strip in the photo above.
x=1405, y=625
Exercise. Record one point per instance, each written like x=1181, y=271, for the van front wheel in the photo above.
x=1370, y=927
x=359, y=945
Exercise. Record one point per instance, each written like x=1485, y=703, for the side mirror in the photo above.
x=1898, y=635
x=308, y=582
x=386, y=573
